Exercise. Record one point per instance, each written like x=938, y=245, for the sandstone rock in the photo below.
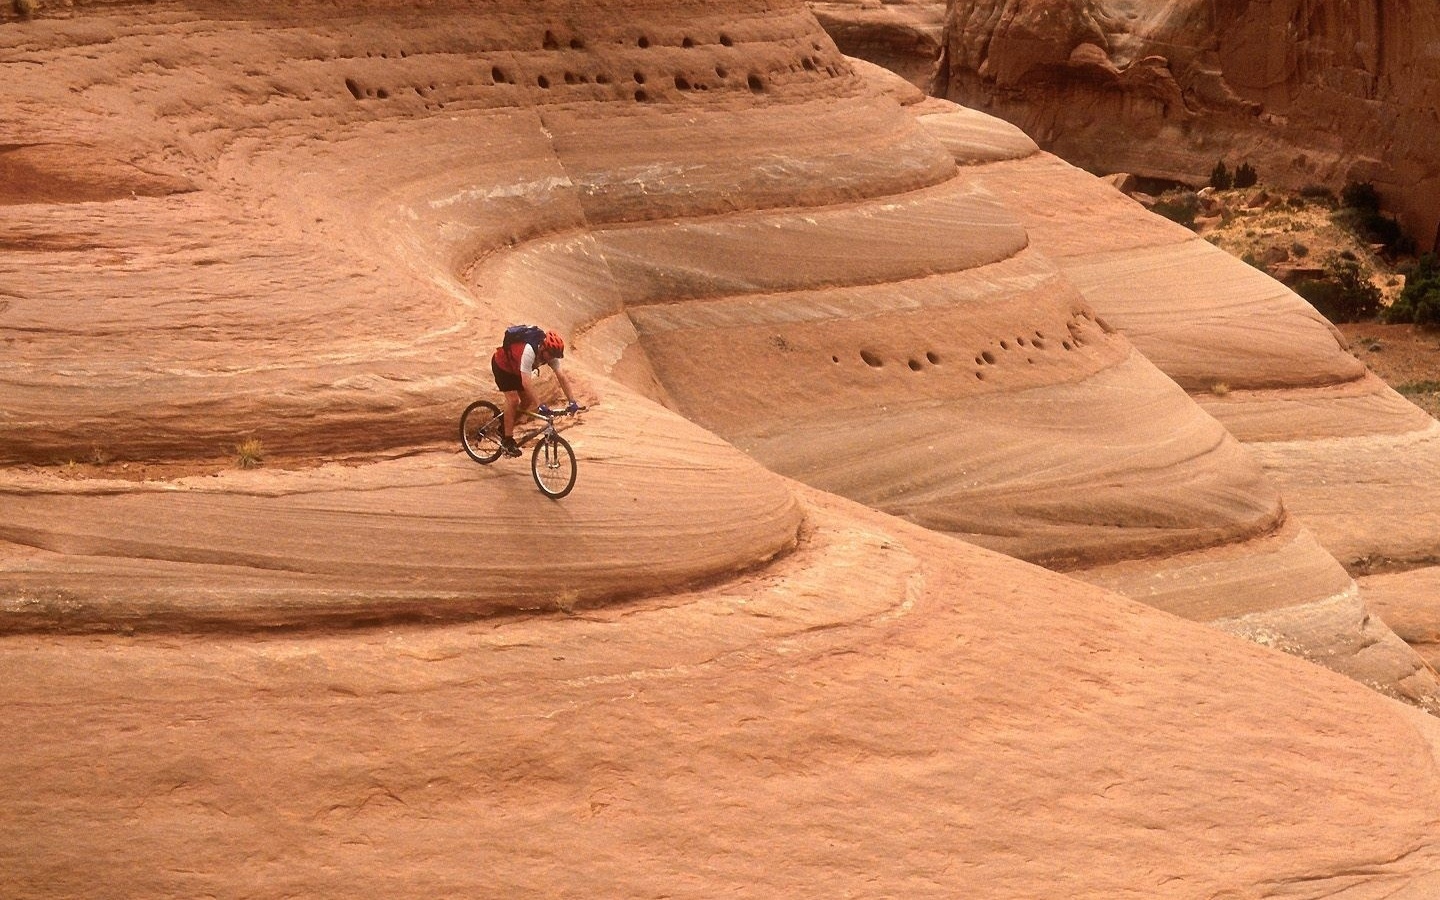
x=373, y=668
x=1310, y=93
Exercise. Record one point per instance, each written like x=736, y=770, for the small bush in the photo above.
x=1319, y=193
x=1360, y=196
x=1246, y=176
x=1179, y=207
x=249, y=453
x=1419, y=302
x=1299, y=250
x=1220, y=178
x=1344, y=294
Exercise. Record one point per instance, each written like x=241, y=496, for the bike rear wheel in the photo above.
x=553, y=465
x=480, y=431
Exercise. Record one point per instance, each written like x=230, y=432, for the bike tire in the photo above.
x=480, y=431
x=553, y=465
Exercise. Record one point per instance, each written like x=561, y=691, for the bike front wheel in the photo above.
x=480, y=431
x=553, y=465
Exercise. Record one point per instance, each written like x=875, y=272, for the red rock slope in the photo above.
x=376, y=668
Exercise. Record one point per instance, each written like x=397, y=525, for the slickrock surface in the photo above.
x=373, y=667
x=1355, y=462
x=885, y=710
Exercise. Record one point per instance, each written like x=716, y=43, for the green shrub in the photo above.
x=1220, y=178
x=1419, y=302
x=1319, y=193
x=1246, y=176
x=1344, y=294
x=1361, y=214
x=1181, y=207
x=1360, y=196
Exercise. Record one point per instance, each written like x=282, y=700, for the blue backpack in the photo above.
x=533, y=335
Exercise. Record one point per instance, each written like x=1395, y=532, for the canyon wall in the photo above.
x=1310, y=93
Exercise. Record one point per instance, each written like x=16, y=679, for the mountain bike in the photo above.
x=552, y=462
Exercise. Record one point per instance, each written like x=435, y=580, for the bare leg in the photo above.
x=517, y=403
x=512, y=413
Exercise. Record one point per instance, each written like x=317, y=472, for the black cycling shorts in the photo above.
x=505, y=381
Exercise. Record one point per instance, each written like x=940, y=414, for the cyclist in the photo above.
x=515, y=363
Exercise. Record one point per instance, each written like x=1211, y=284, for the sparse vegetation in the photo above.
x=1419, y=301
x=565, y=601
x=1220, y=178
x=249, y=453
x=1345, y=294
x=1360, y=211
x=1424, y=394
x=26, y=9
x=1246, y=176
x=1220, y=389
x=1178, y=206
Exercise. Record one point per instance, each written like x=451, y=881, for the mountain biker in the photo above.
x=516, y=361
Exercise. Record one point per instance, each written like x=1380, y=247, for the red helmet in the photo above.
x=553, y=345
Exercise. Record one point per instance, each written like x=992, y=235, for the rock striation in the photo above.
x=709, y=669
x=1309, y=93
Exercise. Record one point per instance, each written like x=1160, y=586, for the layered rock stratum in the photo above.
x=841, y=345
x=1307, y=92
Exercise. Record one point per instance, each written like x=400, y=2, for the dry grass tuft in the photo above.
x=1220, y=389
x=249, y=453
x=565, y=601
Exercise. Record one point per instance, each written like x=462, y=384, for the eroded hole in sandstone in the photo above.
x=602, y=78
x=933, y=357
x=756, y=83
x=980, y=375
x=682, y=83
x=726, y=41
x=543, y=82
x=871, y=359
x=835, y=359
x=808, y=63
x=988, y=357
x=915, y=365
x=549, y=43
x=1004, y=345
x=571, y=78
x=1020, y=341
x=1066, y=345
x=643, y=43
x=639, y=77
x=721, y=72
x=577, y=44
x=382, y=93
x=353, y=88
x=688, y=43
x=641, y=96
x=497, y=75
x=1038, y=344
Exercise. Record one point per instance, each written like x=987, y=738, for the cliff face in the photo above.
x=1309, y=91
